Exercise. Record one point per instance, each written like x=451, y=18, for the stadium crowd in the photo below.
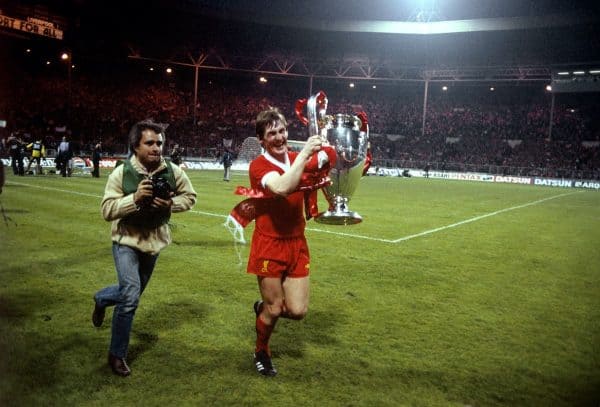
x=466, y=128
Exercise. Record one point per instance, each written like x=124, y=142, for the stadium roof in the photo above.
x=400, y=17
x=410, y=33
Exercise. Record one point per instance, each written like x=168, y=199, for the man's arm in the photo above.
x=115, y=205
x=185, y=197
x=287, y=182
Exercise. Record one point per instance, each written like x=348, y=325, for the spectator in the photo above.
x=64, y=159
x=15, y=148
x=227, y=161
x=96, y=155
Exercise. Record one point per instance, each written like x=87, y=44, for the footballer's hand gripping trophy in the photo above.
x=349, y=136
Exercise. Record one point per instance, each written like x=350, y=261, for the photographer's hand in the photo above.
x=143, y=193
x=158, y=203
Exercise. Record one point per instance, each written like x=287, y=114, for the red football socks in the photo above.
x=263, y=334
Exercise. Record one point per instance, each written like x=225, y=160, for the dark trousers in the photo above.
x=17, y=164
x=96, y=170
x=38, y=161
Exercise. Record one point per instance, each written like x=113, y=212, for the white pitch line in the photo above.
x=402, y=239
x=476, y=218
x=351, y=235
x=209, y=214
x=53, y=189
x=96, y=196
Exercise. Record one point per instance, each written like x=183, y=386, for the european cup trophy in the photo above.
x=349, y=136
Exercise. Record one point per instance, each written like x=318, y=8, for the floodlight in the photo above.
x=169, y=70
x=351, y=85
x=549, y=88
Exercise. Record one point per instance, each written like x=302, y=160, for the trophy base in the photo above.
x=339, y=218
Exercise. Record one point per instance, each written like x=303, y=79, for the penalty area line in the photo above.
x=431, y=231
x=476, y=218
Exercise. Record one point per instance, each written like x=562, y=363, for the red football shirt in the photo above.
x=276, y=216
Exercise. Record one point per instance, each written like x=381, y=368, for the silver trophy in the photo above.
x=349, y=135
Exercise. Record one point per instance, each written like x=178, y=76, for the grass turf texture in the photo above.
x=503, y=310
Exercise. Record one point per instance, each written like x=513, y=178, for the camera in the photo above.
x=160, y=188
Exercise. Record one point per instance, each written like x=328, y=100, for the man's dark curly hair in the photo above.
x=268, y=118
x=135, y=134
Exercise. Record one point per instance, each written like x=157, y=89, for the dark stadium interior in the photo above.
x=113, y=45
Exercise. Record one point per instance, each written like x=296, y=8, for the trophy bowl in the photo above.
x=343, y=133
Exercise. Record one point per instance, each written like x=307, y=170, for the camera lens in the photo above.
x=161, y=188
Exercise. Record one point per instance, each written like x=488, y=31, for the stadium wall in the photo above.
x=84, y=165
x=483, y=177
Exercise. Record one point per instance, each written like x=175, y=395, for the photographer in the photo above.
x=16, y=147
x=139, y=197
x=176, y=155
x=96, y=155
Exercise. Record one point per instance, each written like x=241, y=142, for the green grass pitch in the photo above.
x=448, y=294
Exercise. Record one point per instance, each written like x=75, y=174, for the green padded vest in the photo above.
x=146, y=217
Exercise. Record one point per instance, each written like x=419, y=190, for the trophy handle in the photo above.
x=316, y=106
x=300, y=105
x=364, y=127
x=321, y=99
x=364, y=121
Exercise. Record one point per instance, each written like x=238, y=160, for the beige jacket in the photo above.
x=115, y=206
